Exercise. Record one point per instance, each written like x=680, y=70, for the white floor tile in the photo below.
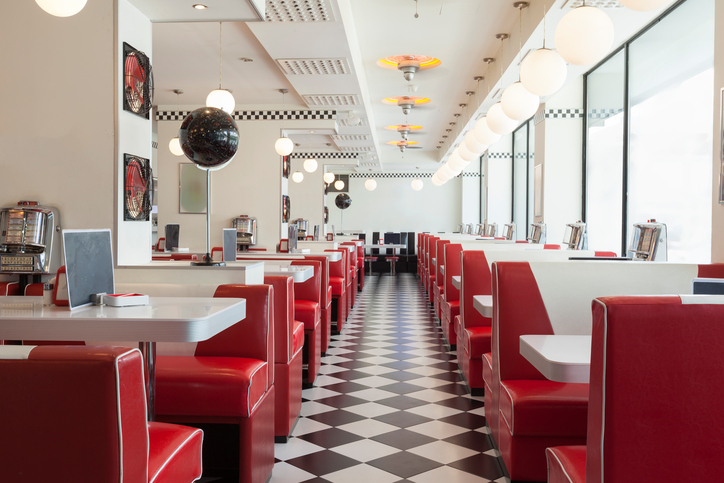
x=306, y=426
x=372, y=394
x=322, y=381
x=374, y=381
x=431, y=395
x=294, y=448
x=442, y=452
x=310, y=408
x=361, y=474
x=334, y=359
x=331, y=369
x=286, y=473
x=318, y=393
x=448, y=475
x=428, y=382
x=365, y=450
x=378, y=360
x=368, y=428
x=425, y=371
x=370, y=409
x=378, y=352
x=376, y=370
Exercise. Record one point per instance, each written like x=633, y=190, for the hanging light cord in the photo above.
x=219, y=55
x=416, y=15
x=544, y=25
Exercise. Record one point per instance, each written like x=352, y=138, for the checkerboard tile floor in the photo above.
x=389, y=404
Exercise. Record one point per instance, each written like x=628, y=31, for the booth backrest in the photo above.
x=439, y=278
x=252, y=337
x=9, y=288
x=555, y=298
x=77, y=411
x=451, y=253
x=283, y=316
x=310, y=289
x=324, y=281
x=352, y=255
x=339, y=268
x=655, y=362
x=475, y=280
x=431, y=253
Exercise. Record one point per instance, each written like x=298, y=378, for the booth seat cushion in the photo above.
x=174, y=453
x=451, y=310
x=212, y=386
x=338, y=285
x=476, y=341
x=298, y=342
x=308, y=312
x=566, y=464
x=544, y=408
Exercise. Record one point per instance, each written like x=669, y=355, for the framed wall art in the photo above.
x=137, y=82
x=137, y=185
x=286, y=208
x=286, y=166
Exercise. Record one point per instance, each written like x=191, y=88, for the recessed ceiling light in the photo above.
x=200, y=6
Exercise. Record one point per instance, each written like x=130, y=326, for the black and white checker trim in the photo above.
x=326, y=155
x=310, y=115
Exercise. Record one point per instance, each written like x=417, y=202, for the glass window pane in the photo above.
x=531, y=179
x=520, y=180
x=671, y=95
x=604, y=155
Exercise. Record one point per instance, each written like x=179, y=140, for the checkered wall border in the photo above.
x=564, y=113
x=603, y=113
x=326, y=155
x=405, y=175
x=309, y=115
x=154, y=144
x=499, y=155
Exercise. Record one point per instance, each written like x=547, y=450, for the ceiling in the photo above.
x=325, y=52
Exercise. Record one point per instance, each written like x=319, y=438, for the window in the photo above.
x=523, y=159
x=649, y=137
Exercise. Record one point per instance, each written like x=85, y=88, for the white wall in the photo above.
x=57, y=121
x=470, y=196
x=307, y=197
x=133, y=136
x=717, y=210
x=394, y=206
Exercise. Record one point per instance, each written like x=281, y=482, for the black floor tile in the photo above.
x=403, y=439
x=337, y=418
x=330, y=438
x=402, y=419
x=404, y=464
x=323, y=462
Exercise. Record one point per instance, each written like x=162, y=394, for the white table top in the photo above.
x=456, y=281
x=442, y=269
x=483, y=304
x=333, y=256
x=164, y=319
x=561, y=358
x=299, y=273
x=434, y=261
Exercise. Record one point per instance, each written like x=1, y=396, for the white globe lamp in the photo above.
x=584, y=35
x=456, y=162
x=444, y=175
x=498, y=122
x=519, y=104
x=339, y=184
x=370, y=184
x=642, y=5
x=436, y=181
x=61, y=8
x=284, y=146
x=543, y=72
x=297, y=176
x=221, y=99
x=466, y=155
x=310, y=165
x=484, y=134
x=174, y=145
x=472, y=143
x=328, y=177
x=417, y=184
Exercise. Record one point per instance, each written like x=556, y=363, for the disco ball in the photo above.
x=209, y=137
x=343, y=201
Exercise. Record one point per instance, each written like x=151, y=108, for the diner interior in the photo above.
x=345, y=241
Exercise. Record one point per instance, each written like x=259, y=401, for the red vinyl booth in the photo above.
x=229, y=380
x=534, y=298
x=450, y=297
x=429, y=266
x=9, y=288
x=652, y=416
x=353, y=273
x=288, y=345
x=325, y=301
x=438, y=288
x=79, y=414
x=307, y=298
x=338, y=281
x=361, y=263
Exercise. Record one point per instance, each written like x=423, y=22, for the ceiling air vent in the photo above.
x=298, y=11
x=314, y=66
x=328, y=100
x=356, y=149
x=351, y=137
x=343, y=121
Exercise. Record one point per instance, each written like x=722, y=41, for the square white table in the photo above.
x=561, y=358
x=299, y=273
x=164, y=319
x=483, y=304
x=456, y=281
